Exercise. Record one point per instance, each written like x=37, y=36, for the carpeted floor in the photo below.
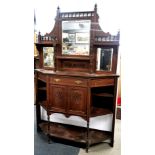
x=42, y=147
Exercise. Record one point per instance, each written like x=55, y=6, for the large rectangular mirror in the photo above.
x=48, y=56
x=75, y=37
x=104, y=59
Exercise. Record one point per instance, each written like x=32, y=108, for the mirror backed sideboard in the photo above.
x=77, y=77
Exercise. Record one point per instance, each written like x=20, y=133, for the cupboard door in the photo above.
x=77, y=100
x=58, y=98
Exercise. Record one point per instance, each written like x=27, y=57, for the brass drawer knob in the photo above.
x=56, y=80
x=78, y=82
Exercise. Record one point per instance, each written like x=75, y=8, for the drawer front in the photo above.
x=42, y=77
x=102, y=82
x=68, y=81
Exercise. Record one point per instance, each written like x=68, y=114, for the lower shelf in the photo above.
x=99, y=111
x=75, y=133
x=43, y=104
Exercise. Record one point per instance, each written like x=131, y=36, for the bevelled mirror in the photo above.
x=104, y=59
x=48, y=57
x=76, y=37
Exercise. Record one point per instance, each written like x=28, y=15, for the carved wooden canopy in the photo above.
x=98, y=36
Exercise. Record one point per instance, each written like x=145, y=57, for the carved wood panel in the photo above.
x=58, y=98
x=75, y=65
x=77, y=100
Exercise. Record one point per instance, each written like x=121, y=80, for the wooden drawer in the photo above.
x=102, y=82
x=42, y=77
x=68, y=81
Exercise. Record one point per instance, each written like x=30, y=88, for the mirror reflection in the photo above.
x=104, y=59
x=48, y=56
x=75, y=37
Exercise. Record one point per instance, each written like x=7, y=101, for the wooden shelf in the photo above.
x=46, y=43
x=42, y=88
x=73, y=57
x=43, y=104
x=99, y=111
x=103, y=94
x=75, y=133
x=101, y=43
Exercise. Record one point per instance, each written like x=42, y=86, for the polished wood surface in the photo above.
x=74, y=86
x=75, y=74
x=75, y=133
x=98, y=38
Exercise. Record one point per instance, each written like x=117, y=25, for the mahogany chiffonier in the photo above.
x=77, y=76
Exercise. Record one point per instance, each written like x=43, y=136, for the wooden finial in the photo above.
x=58, y=10
x=34, y=18
x=95, y=8
x=118, y=34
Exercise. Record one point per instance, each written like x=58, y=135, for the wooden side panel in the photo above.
x=42, y=77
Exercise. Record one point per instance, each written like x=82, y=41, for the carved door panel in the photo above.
x=58, y=98
x=77, y=100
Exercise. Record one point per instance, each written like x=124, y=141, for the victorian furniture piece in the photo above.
x=77, y=76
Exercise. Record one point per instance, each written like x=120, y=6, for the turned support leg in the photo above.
x=48, y=130
x=112, y=143
x=87, y=141
x=38, y=117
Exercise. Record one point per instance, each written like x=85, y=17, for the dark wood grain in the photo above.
x=74, y=86
x=75, y=133
x=99, y=38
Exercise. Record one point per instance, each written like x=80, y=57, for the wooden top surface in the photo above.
x=76, y=74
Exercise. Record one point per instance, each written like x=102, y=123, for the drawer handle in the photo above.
x=78, y=82
x=56, y=80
